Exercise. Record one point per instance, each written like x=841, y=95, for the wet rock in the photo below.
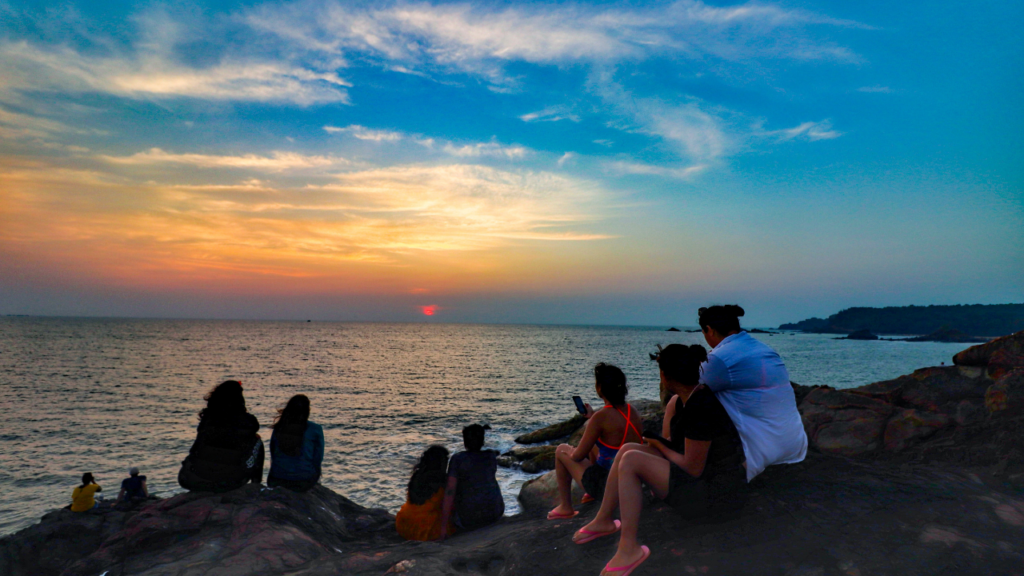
x=532, y=458
x=553, y=432
x=998, y=356
x=541, y=494
x=540, y=462
x=909, y=426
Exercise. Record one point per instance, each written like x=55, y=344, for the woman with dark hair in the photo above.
x=296, y=447
x=228, y=450
x=82, y=497
x=472, y=489
x=699, y=464
x=752, y=383
x=606, y=432
x=420, y=517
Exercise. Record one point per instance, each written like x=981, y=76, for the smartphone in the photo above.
x=579, y=405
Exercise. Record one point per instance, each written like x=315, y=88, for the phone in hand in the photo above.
x=579, y=405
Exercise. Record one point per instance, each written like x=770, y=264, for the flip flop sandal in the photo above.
x=587, y=499
x=627, y=570
x=590, y=535
x=553, y=516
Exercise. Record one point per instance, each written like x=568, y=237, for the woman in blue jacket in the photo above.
x=296, y=447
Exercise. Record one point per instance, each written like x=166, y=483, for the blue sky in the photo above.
x=601, y=162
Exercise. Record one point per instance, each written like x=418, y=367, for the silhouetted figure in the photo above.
x=228, y=450
x=420, y=517
x=296, y=447
x=472, y=492
x=133, y=488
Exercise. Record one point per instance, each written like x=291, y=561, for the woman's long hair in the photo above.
x=429, y=475
x=291, y=424
x=223, y=403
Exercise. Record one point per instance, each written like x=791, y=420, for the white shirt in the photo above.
x=753, y=386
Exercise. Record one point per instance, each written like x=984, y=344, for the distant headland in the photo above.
x=971, y=320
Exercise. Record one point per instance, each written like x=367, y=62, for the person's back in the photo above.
x=83, y=496
x=420, y=518
x=296, y=447
x=228, y=451
x=134, y=486
x=752, y=383
x=478, y=500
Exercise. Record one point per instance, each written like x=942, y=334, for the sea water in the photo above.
x=101, y=395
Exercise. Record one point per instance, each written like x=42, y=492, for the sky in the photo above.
x=525, y=162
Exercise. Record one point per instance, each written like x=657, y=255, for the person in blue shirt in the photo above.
x=296, y=447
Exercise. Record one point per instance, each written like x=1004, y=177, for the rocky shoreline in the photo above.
x=922, y=474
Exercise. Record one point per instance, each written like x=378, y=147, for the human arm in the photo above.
x=120, y=495
x=692, y=460
x=448, y=504
x=670, y=412
x=318, y=448
x=145, y=489
x=591, y=432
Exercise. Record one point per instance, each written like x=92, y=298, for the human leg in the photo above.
x=636, y=468
x=604, y=521
x=566, y=470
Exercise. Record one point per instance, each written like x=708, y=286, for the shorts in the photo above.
x=699, y=497
x=594, y=480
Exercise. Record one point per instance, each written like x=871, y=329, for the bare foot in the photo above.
x=623, y=558
x=595, y=526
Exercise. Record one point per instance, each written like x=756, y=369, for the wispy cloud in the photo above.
x=810, y=131
x=551, y=114
x=364, y=133
x=486, y=149
x=567, y=158
x=478, y=40
x=276, y=162
x=621, y=167
x=875, y=89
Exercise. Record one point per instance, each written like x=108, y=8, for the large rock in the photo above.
x=909, y=426
x=252, y=530
x=998, y=356
x=935, y=389
x=530, y=458
x=60, y=539
x=541, y=494
x=1005, y=398
x=843, y=423
x=553, y=432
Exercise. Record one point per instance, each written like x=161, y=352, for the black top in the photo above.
x=132, y=487
x=703, y=418
x=225, y=450
x=477, y=496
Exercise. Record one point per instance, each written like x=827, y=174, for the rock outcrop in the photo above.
x=967, y=413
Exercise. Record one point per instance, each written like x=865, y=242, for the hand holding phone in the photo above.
x=658, y=438
x=580, y=405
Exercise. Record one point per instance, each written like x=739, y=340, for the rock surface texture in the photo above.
x=919, y=475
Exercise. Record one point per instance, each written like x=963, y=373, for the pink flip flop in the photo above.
x=553, y=516
x=590, y=535
x=627, y=570
x=587, y=499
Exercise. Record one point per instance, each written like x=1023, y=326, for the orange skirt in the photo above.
x=422, y=521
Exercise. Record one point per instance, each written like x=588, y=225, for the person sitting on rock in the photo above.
x=699, y=464
x=133, y=488
x=420, y=517
x=607, y=429
x=228, y=451
x=752, y=383
x=472, y=488
x=82, y=497
x=296, y=447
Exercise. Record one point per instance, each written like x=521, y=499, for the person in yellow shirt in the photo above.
x=82, y=499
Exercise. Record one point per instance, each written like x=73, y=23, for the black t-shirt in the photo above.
x=477, y=495
x=703, y=418
x=132, y=487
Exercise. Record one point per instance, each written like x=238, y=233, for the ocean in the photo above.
x=101, y=395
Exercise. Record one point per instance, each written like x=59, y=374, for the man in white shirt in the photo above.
x=752, y=383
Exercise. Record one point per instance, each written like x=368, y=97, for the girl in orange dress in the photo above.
x=420, y=516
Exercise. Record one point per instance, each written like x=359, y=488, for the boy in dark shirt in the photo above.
x=472, y=488
x=133, y=488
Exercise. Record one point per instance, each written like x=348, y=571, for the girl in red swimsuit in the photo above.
x=606, y=430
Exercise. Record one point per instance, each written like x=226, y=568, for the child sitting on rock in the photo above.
x=472, y=492
x=420, y=517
